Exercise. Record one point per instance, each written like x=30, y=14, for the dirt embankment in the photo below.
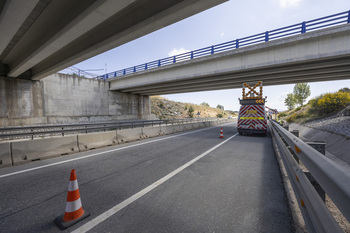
x=163, y=108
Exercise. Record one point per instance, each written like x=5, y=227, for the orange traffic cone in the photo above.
x=221, y=134
x=74, y=209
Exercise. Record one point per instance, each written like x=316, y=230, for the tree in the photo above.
x=220, y=107
x=345, y=90
x=205, y=104
x=289, y=101
x=301, y=91
x=190, y=112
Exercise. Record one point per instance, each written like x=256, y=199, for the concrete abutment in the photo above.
x=70, y=99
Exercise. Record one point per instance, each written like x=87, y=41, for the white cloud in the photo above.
x=277, y=102
x=174, y=52
x=289, y=3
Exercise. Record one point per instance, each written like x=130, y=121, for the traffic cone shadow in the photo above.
x=74, y=209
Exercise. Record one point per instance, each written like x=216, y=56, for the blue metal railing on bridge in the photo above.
x=300, y=28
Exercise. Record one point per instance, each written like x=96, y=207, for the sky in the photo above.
x=228, y=21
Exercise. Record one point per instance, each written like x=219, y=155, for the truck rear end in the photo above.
x=252, y=116
x=252, y=119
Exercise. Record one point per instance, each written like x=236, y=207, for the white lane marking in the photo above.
x=102, y=217
x=92, y=155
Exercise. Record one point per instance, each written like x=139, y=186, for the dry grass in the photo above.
x=167, y=109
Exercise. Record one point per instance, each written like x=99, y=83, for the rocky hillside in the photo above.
x=163, y=108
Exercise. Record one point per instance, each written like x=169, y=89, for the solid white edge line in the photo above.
x=104, y=152
x=102, y=217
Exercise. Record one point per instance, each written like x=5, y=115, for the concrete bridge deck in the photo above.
x=322, y=55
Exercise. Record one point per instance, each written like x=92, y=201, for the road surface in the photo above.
x=187, y=182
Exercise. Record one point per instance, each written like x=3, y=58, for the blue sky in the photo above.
x=228, y=21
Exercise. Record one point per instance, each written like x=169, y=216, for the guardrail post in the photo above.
x=32, y=133
x=174, y=59
x=317, y=187
x=320, y=147
x=62, y=132
x=349, y=17
x=295, y=132
x=191, y=54
x=124, y=72
x=134, y=69
x=212, y=49
x=266, y=36
x=145, y=66
x=237, y=44
x=303, y=27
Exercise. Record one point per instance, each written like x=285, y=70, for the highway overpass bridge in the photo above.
x=42, y=37
x=319, y=55
x=316, y=50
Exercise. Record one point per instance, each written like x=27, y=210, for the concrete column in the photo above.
x=144, y=107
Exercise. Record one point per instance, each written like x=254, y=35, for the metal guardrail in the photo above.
x=40, y=130
x=334, y=179
x=300, y=28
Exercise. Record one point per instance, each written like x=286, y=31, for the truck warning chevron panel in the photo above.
x=252, y=119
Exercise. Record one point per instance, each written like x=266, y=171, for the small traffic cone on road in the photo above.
x=221, y=134
x=74, y=209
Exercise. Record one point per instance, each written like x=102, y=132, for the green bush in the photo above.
x=297, y=116
x=330, y=103
x=282, y=114
x=291, y=118
x=219, y=115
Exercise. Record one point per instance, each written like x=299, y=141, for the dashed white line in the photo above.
x=102, y=217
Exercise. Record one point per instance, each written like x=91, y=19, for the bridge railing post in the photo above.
x=212, y=49
x=237, y=44
x=145, y=66
x=303, y=27
x=349, y=17
x=174, y=59
x=158, y=63
x=191, y=54
x=266, y=36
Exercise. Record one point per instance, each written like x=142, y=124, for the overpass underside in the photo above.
x=316, y=56
x=42, y=37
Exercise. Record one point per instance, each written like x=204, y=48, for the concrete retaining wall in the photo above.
x=129, y=135
x=149, y=132
x=197, y=125
x=167, y=129
x=96, y=140
x=61, y=99
x=336, y=144
x=28, y=150
x=5, y=154
x=182, y=127
x=25, y=151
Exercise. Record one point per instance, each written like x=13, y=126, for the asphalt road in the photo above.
x=186, y=182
